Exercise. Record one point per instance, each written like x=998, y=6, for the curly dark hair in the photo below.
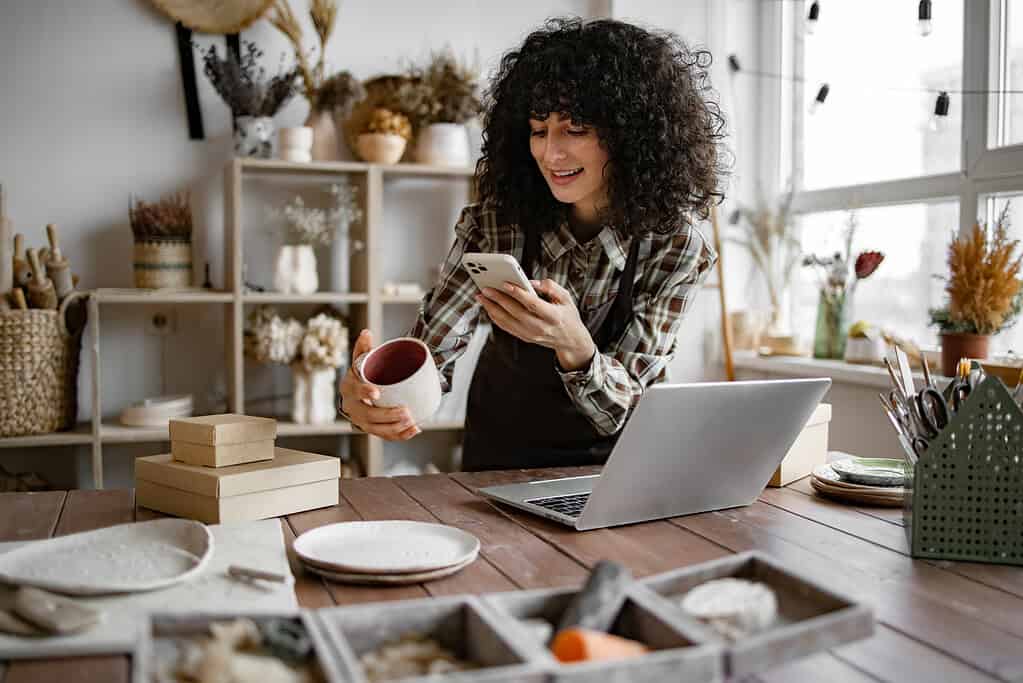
x=648, y=97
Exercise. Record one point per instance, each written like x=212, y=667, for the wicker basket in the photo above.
x=163, y=264
x=39, y=357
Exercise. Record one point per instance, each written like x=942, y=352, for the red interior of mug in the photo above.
x=393, y=362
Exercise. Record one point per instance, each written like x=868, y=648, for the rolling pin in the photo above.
x=22, y=271
x=18, y=294
x=41, y=293
x=57, y=267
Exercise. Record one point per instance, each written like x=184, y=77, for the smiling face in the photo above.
x=572, y=161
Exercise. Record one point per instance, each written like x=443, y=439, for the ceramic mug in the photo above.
x=406, y=375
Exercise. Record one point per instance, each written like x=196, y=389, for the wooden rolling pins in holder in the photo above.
x=40, y=279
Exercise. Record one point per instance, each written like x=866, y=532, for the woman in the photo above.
x=600, y=147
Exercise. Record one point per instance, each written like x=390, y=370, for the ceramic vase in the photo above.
x=253, y=136
x=325, y=137
x=314, y=395
x=296, y=144
x=380, y=148
x=832, y=325
x=295, y=270
x=443, y=144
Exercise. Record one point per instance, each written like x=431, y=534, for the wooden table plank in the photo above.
x=821, y=667
x=521, y=556
x=647, y=548
x=892, y=515
x=948, y=631
x=310, y=589
x=849, y=521
x=83, y=511
x=381, y=498
x=30, y=516
x=343, y=594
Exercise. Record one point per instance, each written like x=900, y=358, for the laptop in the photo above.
x=687, y=448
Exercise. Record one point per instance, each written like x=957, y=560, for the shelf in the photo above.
x=113, y=432
x=401, y=298
x=804, y=366
x=161, y=296
x=274, y=166
x=424, y=169
x=82, y=434
x=314, y=298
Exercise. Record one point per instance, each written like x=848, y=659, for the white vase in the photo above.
x=313, y=401
x=325, y=139
x=296, y=144
x=253, y=136
x=443, y=144
x=295, y=270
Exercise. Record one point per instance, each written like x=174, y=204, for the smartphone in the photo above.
x=494, y=270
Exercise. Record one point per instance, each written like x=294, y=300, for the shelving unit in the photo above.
x=365, y=303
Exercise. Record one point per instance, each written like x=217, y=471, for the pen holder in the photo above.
x=964, y=496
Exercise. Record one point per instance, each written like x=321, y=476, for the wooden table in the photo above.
x=937, y=621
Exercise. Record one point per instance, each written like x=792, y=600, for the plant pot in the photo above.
x=296, y=144
x=380, y=148
x=163, y=264
x=443, y=144
x=253, y=136
x=961, y=345
x=325, y=137
x=865, y=350
x=314, y=394
x=295, y=270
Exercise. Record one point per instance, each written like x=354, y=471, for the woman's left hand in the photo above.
x=554, y=323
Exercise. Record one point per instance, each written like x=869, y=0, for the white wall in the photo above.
x=93, y=111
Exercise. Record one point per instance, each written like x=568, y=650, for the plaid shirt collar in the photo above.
x=558, y=243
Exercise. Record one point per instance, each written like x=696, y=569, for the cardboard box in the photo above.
x=222, y=456
x=809, y=449
x=219, y=430
x=292, y=482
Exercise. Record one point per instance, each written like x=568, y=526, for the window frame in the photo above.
x=984, y=170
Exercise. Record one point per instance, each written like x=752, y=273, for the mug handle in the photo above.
x=357, y=369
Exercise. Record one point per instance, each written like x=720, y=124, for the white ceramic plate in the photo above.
x=385, y=547
x=126, y=558
x=390, y=579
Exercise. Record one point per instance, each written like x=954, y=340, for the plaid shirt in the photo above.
x=669, y=272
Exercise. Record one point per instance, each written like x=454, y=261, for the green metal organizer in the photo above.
x=964, y=497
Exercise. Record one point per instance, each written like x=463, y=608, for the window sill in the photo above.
x=801, y=366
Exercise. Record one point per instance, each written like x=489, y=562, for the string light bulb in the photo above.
x=923, y=13
x=733, y=64
x=822, y=94
x=939, y=121
x=812, y=16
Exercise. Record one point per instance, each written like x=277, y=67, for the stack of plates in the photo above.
x=157, y=412
x=865, y=481
x=386, y=552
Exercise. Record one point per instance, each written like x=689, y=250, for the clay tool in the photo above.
x=22, y=270
x=41, y=293
x=18, y=295
x=5, y=302
x=53, y=613
x=57, y=267
x=597, y=604
x=247, y=574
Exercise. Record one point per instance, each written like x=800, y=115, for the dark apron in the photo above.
x=519, y=414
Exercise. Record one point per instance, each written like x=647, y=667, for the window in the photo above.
x=990, y=208
x=913, y=238
x=865, y=131
x=1007, y=74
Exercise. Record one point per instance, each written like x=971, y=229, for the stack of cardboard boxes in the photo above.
x=227, y=468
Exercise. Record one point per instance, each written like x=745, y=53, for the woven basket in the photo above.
x=163, y=264
x=39, y=357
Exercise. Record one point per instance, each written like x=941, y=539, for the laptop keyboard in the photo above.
x=571, y=506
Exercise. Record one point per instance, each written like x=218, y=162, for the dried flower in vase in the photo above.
x=315, y=226
x=272, y=339
x=983, y=286
x=340, y=93
x=839, y=275
x=242, y=83
x=168, y=218
x=346, y=204
x=392, y=122
x=325, y=344
x=442, y=91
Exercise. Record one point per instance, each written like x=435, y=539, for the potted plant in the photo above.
x=984, y=294
x=386, y=134
x=330, y=98
x=163, y=241
x=837, y=285
x=441, y=97
x=252, y=99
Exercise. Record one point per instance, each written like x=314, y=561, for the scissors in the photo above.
x=930, y=411
x=912, y=442
x=959, y=389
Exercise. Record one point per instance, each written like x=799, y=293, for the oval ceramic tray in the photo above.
x=126, y=558
x=870, y=471
x=385, y=547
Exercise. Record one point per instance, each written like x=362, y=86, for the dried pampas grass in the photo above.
x=169, y=218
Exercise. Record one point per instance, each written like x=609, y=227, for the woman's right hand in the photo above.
x=392, y=424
